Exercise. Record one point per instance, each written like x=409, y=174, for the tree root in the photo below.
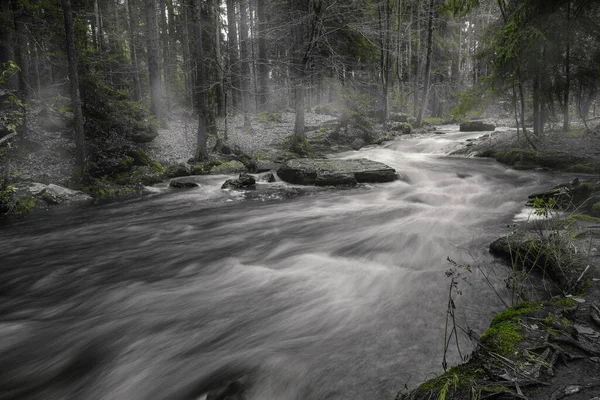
x=578, y=345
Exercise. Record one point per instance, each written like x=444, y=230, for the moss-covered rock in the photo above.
x=229, y=167
x=476, y=126
x=178, y=169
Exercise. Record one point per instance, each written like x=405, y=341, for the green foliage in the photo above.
x=7, y=198
x=14, y=116
x=25, y=205
x=544, y=207
x=459, y=8
x=403, y=127
x=473, y=100
x=158, y=168
x=9, y=69
x=261, y=117
x=275, y=117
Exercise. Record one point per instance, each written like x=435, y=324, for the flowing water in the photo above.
x=301, y=293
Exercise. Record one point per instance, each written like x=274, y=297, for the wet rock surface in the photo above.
x=476, y=126
x=184, y=182
x=327, y=172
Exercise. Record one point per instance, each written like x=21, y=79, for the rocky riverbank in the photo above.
x=45, y=158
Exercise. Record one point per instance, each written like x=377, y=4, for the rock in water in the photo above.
x=476, y=126
x=267, y=177
x=58, y=195
x=325, y=172
x=244, y=181
x=184, y=182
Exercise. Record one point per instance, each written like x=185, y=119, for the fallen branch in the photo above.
x=5, y=138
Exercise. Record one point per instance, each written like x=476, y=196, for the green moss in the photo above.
x=102, y=190
x=582, y=168
x=523, y=159
x=126, y=164
x=487, y=153
x=505, y=330
x=503, y=337
x=201, y=169
x=565, y=302
x=48, y=198
x=516, y=311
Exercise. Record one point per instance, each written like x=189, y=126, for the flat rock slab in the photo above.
x=476, y=126
x=333, y=172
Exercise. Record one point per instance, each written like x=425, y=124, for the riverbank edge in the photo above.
x=519, y=352
x=138, y=170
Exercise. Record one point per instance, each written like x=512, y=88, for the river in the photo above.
x=301, y=293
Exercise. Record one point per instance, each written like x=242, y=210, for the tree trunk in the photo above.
x=263, y=68
x=234, y=60
x=201, y=146
x=80, y=156
x=300, y=58
x=137, y=87
x=187, y=31
x=164, y=27
x=245, y=62
x=219, y=61
x=536, y=97
x=567, y=71
x=153, y=59
x=427, y=63
x=20, y=49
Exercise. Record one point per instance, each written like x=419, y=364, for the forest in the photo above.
x=113, y=72
x=299, y=199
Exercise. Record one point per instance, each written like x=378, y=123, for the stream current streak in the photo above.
x=329, y=294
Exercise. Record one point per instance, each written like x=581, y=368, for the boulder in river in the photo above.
x=244, y=181
x=325, y=172
x=476, y=126
x=55, y=194
x=267, y=177
x=184, y=182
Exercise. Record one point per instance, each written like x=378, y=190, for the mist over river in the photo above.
x=303, y=293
